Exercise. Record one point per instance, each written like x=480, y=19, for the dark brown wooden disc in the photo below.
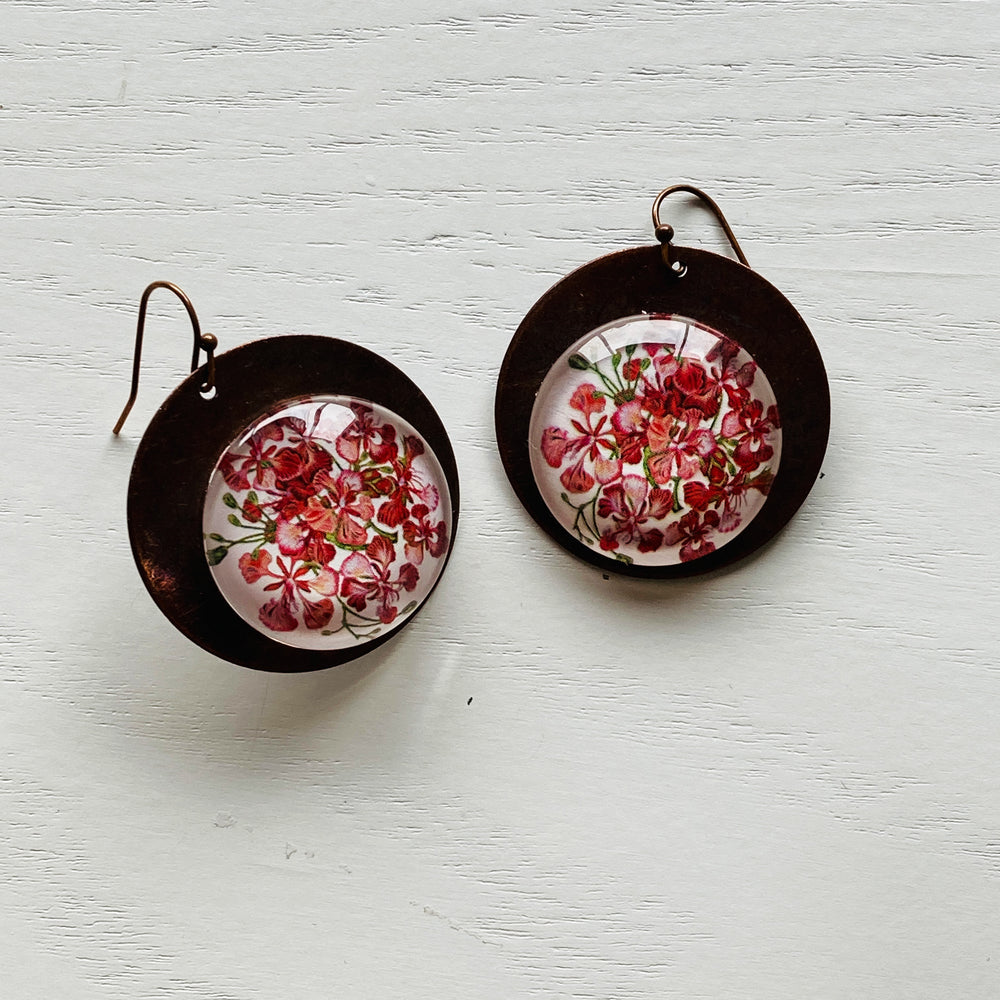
x=180, y=449
x=715, y=291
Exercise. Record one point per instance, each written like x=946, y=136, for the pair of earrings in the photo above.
x=661, y=411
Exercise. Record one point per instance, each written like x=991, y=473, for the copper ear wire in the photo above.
x=665, y=233
x=202, y=342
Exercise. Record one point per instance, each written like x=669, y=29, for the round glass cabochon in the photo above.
x=326, y=522
x=655, y=440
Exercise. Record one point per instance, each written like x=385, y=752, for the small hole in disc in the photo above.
x=208, y=393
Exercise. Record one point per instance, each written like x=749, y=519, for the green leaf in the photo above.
x=616, y=358
x=233, y=520
x=630, y=349
x=216, y=555
x=621, y=557
x=409, y=607
x=229, y=500
x=579, y=362
x=216, y=537
x=252, y=497
x=644, y=364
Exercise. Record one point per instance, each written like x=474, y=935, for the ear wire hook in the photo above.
x=665, y=233
x=202, y=342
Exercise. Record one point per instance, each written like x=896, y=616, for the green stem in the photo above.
x=593, y=515
x=256, y=537
x=611, y=387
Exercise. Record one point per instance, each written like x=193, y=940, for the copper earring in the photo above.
x=293, y=502
x=663, y=411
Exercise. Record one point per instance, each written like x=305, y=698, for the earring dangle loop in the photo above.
x=293, y=503
x=666, y=233
x=202, y=342
x=663, y=411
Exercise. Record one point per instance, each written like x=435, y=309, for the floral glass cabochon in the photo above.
x=655, y=439
x=327, y=522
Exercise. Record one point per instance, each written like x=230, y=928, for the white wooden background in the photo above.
x=777, y=782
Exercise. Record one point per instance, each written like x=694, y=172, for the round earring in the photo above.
x=294, y=501
x=663, y=411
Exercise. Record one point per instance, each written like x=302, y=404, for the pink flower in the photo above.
x=406, y=484
x=692, y=533
x=294, y=584
x=682, y=384
x=366, y=577
x=731, y=377
x=630, y=424
x=256, y=469
x=291, y=536
x=342, y=511
x=632, y=369
x=589, y=443
x=751, y=428
x=420, y=534
x=365, y=435
x=677, y=448
x=629, y=505
x=731, y=494
x=587, y=399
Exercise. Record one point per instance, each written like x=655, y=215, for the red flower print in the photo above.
x=629, y=505
x=343, y=510
x=750, y=428
x=677, y=448
x=630, y=424
x=296, y=467
x=731, y=494
x=291, y=536
x=684, y=385
x=256, y=470
x=632, y=369
x=365, y=435
x=576, y=478
x=732, y=375
x=692, y=532
x=406, y=485
x=587, y=399
x=296, y=538
x=588, y=444
x=659, y=446
x=366, y=577
x=308, y=501
x=294, y=583
x=421, y=534
x=555, y=442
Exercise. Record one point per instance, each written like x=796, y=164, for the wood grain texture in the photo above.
x=780, y=781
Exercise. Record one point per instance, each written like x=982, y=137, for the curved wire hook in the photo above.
x=665, y=233
x=202, y=342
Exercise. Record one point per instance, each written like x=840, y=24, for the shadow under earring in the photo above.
x=293, y=502
x=663, y=411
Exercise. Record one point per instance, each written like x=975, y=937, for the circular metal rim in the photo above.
x=180, y=449
x=715, y=291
